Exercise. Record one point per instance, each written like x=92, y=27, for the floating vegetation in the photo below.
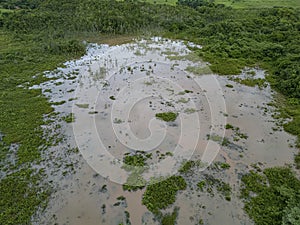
x=224, y=141
x=187, y=166
x=229, y=85
x=170, y=218
x=190, y=110
x=170, y=53
x=118, y=121
x=237, y=132
x=251, y=82
x=83, y=106
x=210, y=182
x=136, y=164
x=161, y=194
x=69, y=118
x=102, y=73
x=167, y=116
x=183, y=100
x=198, y=70
x=297, y=161
x=192, y=56
x=58, y=103
x=272, y=197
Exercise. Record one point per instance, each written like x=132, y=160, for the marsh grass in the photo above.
x=167, y=116
x=199, y=70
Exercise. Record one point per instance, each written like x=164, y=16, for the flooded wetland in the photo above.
x=129, y=116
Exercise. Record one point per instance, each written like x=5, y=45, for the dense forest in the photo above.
x=38, y=35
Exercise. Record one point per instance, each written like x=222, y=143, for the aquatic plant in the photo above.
x=167, y=116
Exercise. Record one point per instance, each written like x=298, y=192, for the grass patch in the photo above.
x=198, y=70
x=297, y=161
x=187, y=166
x=167, y=116
x=21, y=195
x=190, y=110
x=160, y=195
x=83, y=106
x=70, y=118
x=229, y=85
x=221, y=140
x=210, y=182
x=136, y=165
x=170, y=219
x=261, y=83
x=192, y=56
x=272, y=197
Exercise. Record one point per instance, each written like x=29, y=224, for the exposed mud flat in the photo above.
x=114, y=94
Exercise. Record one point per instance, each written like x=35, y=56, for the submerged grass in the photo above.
x=272, y=197
x=22, y=111
x=197, y=70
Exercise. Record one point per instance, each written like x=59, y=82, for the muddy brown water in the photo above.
x=144, y=80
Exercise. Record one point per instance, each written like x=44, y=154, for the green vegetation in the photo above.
x=187, y=166
x=69, y=118
x=192, y=56
x=201, y=185
x=228, y=126
x=43, y=34
x=297, y=161
x=272, y=197
x=170, y=219
x=238, y=134
x=229, y=85
x=83, y=106
x=183, y=100
x=210, y=182
x=160, y=195
x=12, y=189
x=190, y=110
x=258, y=4
x=167, y=116
x=197, y=70
x=136, y=165
x=138, y=159
x=252, y=82
x=218, y=166
x=224, y=141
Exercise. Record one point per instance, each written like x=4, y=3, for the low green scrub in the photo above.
x=251, y=82
x=167, y=116
x=21, y=195
x=210, y=182
x=136, y=165
x=198, y=70
x=135, y=181
x=162, y=194
x=297, y=161
x=231, y=39
x=138, y=159
x=170, y=219
x=187, y=166
x=272, y=197
x=70, y=118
